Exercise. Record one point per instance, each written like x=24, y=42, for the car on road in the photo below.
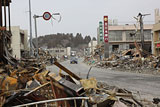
x=74, y=60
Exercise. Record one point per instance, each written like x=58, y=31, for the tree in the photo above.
x=94, y=38
x=87, y=39
x=62, y=39
x=78, y=39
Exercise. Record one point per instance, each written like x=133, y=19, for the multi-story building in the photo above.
x=19, y=41
x=156, y=34
x=120, y=37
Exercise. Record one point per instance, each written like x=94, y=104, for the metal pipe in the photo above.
x=54, y=100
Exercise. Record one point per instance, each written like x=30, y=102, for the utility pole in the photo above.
x=141, y=28
x=35, y=21
x=30, y=23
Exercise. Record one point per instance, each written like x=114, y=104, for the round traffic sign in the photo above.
x=47, y=16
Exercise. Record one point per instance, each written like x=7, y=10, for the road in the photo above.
x=146, y=84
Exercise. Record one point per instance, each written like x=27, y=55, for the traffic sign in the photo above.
x=47, y=16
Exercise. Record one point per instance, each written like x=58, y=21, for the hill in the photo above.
x=63, y=40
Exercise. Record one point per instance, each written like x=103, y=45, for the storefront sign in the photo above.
x=101, y=31
x=106, y=38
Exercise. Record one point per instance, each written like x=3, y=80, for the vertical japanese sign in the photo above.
x=101, y=31
x=158, y=45
x=106, y=38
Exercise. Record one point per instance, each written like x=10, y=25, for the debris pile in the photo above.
x=44, y=56
x=130, y=60
x=29, y=82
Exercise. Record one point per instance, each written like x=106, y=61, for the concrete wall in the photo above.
x=26, y=40
x=16, y=44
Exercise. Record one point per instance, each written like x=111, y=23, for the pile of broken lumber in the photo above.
x=29, y=84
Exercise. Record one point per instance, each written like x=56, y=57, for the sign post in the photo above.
x=101, y=32
x=106, y=29
x=106, y=38
x=46, y=16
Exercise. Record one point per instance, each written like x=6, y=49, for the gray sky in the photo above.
x=80, y=16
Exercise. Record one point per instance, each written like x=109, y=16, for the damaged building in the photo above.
x=19, y=42
x=156, y=34
x=120, y=37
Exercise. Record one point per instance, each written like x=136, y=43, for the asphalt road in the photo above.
x=146, y=84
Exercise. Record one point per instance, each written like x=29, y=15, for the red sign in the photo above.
x=47, y=16
x=158, y=45
x=106, y=39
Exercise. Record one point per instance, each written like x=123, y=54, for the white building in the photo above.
x=18, y=41
x=92, y=46
x=68, y=51
x=59, y=52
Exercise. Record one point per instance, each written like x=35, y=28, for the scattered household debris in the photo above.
x=30, y=83
x=129, y=60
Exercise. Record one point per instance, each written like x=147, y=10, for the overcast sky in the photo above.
x=80, y=16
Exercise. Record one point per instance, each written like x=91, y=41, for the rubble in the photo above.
x=129, y=60
x=27, y=82
x=32, y=83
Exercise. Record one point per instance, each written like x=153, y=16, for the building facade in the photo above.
x=121, y=38
x=59, y=52
x=156, y=34
x=92, y=46
x=19, y=41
